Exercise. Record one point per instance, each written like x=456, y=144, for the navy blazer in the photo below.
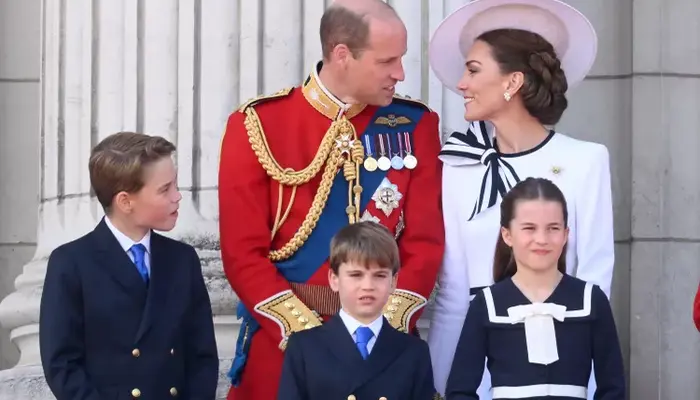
x=323, y=363
x=105, y=334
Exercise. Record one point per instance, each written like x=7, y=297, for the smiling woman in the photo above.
x=513, y=61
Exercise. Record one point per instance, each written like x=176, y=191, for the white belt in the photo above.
x=521, y=392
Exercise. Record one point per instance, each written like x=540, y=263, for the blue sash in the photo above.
x=316, y=250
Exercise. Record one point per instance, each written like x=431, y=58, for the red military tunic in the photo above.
x=696, y=309
x=259, y=153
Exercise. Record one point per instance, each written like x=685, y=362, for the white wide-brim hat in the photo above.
x=571, y=34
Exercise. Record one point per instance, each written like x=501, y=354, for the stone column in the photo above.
x=665, y=191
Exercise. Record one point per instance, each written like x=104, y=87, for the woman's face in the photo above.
x=537, y=234
x=483, y=85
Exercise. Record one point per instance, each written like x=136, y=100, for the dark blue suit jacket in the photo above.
x=324, y=363
x=106, y=335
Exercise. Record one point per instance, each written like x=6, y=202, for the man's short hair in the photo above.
x=340, y=25
x=365, y=243
x=118, y=162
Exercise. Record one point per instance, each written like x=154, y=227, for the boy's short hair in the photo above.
x=118, y=162
x=365, y=243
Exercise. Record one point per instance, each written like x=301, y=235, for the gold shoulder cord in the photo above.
x=340, y=140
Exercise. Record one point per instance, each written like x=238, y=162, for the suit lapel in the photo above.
x=112, y=257
x=162, y=267
x=389, y=345
x=341, y=344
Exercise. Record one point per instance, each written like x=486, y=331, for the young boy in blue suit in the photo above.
x=357, y=354
x=124, y=311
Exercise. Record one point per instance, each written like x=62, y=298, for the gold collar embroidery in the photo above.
x=325, y=102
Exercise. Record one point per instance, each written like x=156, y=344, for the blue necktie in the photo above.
x=139, y=252
x=362, y=336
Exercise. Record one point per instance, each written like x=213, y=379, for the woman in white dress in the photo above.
x=513, y=62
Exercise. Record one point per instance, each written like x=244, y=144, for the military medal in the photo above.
x=396, y=161
x=370, y=163
x=410, y=161
x=383, y=162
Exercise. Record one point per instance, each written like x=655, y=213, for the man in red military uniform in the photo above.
x=298, y=165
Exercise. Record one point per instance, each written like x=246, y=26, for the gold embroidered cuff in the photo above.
x=401, y=306
x=289, y=313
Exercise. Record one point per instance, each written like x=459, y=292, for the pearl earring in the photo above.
x=506, y=96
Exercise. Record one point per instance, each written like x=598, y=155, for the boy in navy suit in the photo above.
x=357, y=354
x=124, y=311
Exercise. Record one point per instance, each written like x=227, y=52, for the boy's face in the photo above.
x=363, y=290
x=155, y=205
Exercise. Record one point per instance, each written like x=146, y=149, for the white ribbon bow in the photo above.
x=540, y=336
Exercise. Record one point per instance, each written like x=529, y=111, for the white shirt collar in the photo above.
x=125, y=241
x=352, y=324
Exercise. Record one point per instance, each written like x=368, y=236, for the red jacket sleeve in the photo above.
x=696, y=309
x=245, y=224
x=422, y=242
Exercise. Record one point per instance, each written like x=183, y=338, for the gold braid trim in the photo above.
x=341, y=132
x=287, y=177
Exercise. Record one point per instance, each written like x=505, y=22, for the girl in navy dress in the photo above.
x=537, y=327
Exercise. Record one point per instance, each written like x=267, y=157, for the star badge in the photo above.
x=387, y=197
x=345, y=144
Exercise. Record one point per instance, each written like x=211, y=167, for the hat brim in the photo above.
x=571, y=34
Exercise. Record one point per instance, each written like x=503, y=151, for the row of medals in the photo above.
x=397, y=162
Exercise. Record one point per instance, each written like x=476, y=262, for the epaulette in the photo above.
x=262, y=98
x=407, y=99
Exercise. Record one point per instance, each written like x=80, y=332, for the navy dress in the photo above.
x=539, y=351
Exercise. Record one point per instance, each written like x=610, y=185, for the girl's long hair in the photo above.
x=530, y=189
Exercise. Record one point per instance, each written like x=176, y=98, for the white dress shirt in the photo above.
x=352, y=324
x=126, y=243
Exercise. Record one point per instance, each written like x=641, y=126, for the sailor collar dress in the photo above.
x=475, y=178
x=539, y=350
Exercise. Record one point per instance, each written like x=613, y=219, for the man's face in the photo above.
x=374, y=73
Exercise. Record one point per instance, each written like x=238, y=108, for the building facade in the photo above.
x=72, y=72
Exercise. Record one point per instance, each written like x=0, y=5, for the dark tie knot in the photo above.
x=489, y=156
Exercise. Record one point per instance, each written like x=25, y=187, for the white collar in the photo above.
x=352, y=324
x=125, y=241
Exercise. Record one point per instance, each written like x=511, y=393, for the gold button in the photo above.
x=135, y=352
x=136, y=393
x=172, y=351
x=382, y=398
x=352, y=397
x=173, y=392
